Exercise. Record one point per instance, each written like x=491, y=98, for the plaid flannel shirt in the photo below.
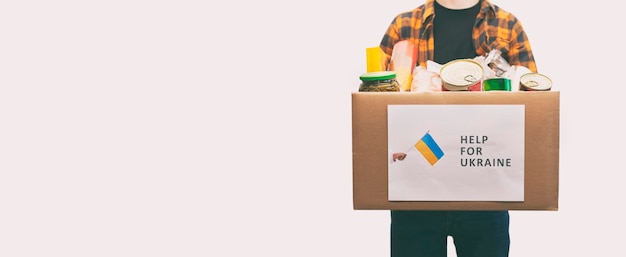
x=494, y=28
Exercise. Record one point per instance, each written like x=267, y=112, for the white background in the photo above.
x=203, y=128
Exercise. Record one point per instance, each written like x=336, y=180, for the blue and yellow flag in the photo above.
x=429, y=149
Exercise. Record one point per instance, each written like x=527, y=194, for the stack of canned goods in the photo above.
x=460, y=75
x=467, y=75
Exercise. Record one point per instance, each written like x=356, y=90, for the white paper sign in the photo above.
x=456, y=152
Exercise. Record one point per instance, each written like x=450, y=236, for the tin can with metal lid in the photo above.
x=534, y=82
x=462, y=75
x=379, y=81
x=497, y=84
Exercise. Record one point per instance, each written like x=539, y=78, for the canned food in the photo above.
x=379, y=81
x=534, y=82
x=497, y=84
x=461, y=75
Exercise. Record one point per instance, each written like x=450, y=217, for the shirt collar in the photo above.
x=487, y=9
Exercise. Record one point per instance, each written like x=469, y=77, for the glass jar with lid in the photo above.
x=379, y=81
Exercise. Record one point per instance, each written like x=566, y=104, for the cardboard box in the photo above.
x=370, y=152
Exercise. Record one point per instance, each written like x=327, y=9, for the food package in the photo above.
x=425, y=80
x=404, y=59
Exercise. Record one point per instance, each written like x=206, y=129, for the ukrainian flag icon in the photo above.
x=429, y=149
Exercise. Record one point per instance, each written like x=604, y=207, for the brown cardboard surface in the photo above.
x=369, y=148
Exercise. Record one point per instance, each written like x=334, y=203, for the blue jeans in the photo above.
x=425, y=233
